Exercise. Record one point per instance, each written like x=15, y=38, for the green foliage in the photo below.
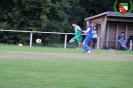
x=47, y=15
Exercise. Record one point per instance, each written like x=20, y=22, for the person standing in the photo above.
x=89, y=37
x=94, y=40
x=77, y=39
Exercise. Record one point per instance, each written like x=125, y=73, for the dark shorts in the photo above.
x=127, y=44
x=120, y=44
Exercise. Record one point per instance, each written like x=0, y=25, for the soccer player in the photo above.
x=89, y=37
x=77, y=39
x=121, y=41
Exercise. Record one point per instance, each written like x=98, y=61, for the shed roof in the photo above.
x=109, y=14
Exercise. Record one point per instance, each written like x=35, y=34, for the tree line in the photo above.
x=46, y=15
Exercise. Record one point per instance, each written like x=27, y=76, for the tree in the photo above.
x=46, y=15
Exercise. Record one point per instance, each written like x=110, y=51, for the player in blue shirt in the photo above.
x=121, y=42
x=89, y=37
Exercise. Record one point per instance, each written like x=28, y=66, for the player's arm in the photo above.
x=124, y=41
x=88, y=29
x=119, y=40
x=79, y=34
x=80, y=30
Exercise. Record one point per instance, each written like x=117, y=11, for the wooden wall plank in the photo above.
x=116, y=38
x=112, y=35
x=107, y=37
x=103, y=31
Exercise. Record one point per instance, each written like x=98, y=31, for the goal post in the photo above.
x=131, y=45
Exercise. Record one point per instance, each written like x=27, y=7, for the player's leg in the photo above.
x=89, y=40
x=74, y=41
x=84, y=47
x=119, y=45
x=71, y=41
x=79, y=42
x=125, y=47
x=85, y=44
x=94, y=42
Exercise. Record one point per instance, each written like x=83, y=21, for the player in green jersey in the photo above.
x=77, y=39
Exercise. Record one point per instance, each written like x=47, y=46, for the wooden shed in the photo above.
x=110, y=25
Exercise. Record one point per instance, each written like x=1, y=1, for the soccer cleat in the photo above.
x=89, y=52
x=78, y=47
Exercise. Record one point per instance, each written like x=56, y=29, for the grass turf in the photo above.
x=46, y=71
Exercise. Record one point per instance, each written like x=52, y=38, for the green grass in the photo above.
x=32, y=49
x=42, y=67
x=49, y=49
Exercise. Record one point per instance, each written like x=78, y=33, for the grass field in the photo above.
x=42, y=67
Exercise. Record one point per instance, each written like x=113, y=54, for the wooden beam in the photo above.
x=98, y=42
x=126, y=32
x=95, y=16
x=103, y=28
x=116, y=38
x=97, y=21
x=120, y=19
x=107, y=37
